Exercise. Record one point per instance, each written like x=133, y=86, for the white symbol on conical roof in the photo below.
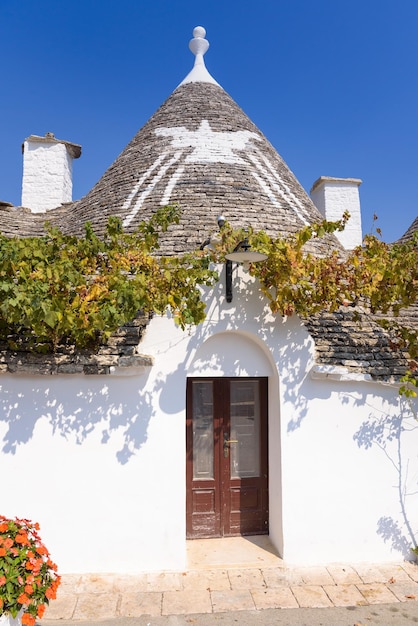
x=209, y=146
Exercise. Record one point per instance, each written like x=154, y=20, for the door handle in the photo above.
x=228, y=441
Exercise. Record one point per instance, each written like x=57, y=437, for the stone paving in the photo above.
x=85, y=597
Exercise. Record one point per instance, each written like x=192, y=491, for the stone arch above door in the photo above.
x=232, y=353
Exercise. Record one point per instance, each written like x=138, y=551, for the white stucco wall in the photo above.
x=47, y=175
x=99, y=462
x=349, y=474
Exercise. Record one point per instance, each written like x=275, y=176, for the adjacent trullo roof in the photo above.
x=407, y=236
x=200, y=150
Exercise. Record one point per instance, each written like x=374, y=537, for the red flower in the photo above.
x=23, y=599
x=28, y=619
x=50, y=593
x=2, y=552
x=2, y=580
x=22, y=539
x=7, y=543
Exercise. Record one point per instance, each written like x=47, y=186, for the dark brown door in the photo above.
x=227, y=482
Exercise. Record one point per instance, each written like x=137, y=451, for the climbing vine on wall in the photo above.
x=61, y=289
x=382, y=276
x=379, y=278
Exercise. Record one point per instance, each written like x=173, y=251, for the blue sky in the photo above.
x=331, y=83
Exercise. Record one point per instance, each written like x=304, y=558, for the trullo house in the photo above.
x=247, y=424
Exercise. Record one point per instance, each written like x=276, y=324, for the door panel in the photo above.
x=202, y=473
x=226, y=457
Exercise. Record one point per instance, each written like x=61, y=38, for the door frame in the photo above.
x=218, y=493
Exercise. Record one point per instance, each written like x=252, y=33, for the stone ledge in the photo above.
x=118, y=356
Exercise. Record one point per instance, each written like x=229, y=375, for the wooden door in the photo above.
x=227, y=464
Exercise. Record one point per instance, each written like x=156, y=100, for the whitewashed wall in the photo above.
x=100, y=461
x=332, y=197
x=350, y=474
x=47, y=175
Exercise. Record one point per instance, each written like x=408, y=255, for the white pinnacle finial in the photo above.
x=199, y=46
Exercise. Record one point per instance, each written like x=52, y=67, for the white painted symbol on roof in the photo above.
x=209, y=146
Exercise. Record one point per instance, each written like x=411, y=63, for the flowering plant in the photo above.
x=28, y=578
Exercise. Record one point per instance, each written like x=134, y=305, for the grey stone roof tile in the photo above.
x=354, y=339
x=407, y=236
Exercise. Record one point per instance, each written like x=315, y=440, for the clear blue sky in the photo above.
x=331, y=83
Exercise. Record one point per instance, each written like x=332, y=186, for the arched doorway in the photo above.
x=231, y=382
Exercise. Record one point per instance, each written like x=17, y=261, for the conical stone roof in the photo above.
x=408, y=235
x=201, y=151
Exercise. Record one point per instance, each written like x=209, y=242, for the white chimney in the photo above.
x=47, y=172
x=333, y=196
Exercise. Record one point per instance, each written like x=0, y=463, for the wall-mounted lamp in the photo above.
x=242, y=253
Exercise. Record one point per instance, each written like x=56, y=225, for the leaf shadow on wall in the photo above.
x=296, y=357
x=75, y=408
x=387, y=433
x=238, y=323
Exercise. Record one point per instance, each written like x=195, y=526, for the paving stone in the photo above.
x=233, y=600
x=246, y=579
x=96, y=606
x=282, y=577
x=393, y=572
x=69, y=583
x=278, y=598
x=405, y=591
x=213, y=580
x=137, y=604
x=411, y=569
x=311, y=596
x=106, y=596
x=316, y=576
x=184, y=602
x=369, y=573
x=96, y=583
x=61, y=608
x=377, y=593
x=129, y=583
x=344, y=575
x=344, y=595
x=161, y=581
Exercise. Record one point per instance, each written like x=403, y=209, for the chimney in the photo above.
x=333, y=196
x=47, y=172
